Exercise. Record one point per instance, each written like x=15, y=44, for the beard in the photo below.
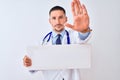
x=59, y=27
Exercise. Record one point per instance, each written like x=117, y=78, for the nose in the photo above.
x=57, y=21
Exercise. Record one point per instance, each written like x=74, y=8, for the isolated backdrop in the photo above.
x=25, y=22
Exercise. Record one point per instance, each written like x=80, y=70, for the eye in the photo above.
x=60, y=17
x=53, y=18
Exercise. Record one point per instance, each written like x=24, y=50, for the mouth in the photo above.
x=58, y=25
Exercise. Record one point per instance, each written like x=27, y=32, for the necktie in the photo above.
x=58, y=41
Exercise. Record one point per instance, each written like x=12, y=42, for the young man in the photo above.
x=79, y=34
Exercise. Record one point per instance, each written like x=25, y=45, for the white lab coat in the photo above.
x=67, y=74
x=74, y=39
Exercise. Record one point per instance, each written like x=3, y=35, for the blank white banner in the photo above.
x=48, y=57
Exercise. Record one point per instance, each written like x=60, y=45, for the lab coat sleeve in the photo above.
x=79, y=38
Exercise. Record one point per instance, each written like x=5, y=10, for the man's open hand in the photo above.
x=80, y=16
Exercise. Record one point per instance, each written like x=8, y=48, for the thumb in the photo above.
x=68, y=25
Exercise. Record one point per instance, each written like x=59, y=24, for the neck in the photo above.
x=58, y=32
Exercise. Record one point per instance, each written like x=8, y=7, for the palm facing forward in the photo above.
x=80, y=16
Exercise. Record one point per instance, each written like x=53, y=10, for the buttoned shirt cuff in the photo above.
x=83, y=36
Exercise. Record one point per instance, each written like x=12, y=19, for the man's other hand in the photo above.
x=27, y=61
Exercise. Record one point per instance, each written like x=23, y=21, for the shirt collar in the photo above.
x=54, y=34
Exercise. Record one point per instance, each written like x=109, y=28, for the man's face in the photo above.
x=57, y=20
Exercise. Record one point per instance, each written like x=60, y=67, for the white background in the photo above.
x=25, y=22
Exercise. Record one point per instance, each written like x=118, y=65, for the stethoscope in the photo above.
x=50, y=34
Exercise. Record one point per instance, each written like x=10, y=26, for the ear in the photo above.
x=66, y=19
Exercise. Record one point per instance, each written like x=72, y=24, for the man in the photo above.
x=59, y=35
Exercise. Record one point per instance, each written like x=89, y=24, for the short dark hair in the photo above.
x=57, y=8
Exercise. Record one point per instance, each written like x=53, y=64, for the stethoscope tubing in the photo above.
x=50, y=34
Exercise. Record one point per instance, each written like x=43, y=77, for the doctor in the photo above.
x=79, y=33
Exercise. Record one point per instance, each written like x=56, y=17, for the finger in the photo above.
x=26, y=59
x=27, y=64
x=80, y=7
x=69, y=25
x=73, y=9
x=84, y=9
x=77, y=8
x=79, y=3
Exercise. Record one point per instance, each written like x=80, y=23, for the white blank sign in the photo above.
x=49, y=57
